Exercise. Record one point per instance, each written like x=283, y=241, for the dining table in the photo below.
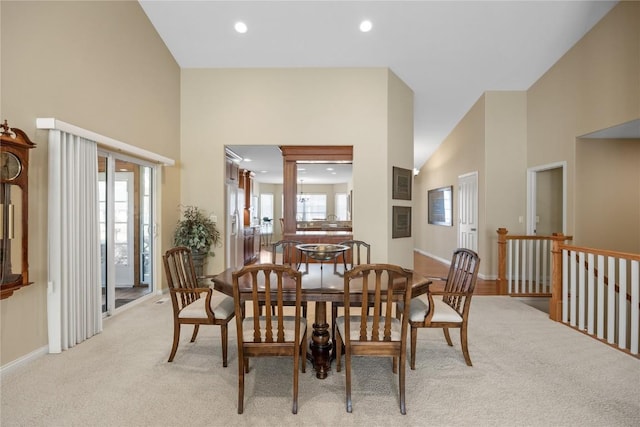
x=321, y=289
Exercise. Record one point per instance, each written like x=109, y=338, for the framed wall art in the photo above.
x=401, y=222
x=401, y=184
x=440, y=206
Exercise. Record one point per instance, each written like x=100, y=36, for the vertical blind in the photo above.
x=74, y=293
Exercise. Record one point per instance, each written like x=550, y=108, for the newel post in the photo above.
x=555, y=303
x=502, y=261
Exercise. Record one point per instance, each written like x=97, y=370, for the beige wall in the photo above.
x=596, y=85
x=608, y=194
x=293, y=107
x=505, y=173
x=97, y=65
x=400, y=154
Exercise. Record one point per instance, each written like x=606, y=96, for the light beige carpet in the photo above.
x=528, y=371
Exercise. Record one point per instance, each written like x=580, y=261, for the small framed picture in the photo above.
x=401, y=222
x=401, y=184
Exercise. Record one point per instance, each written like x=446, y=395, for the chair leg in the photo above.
x=347, y=364
x=394, y=364
x=246, y=365
x=463, y=342
x=401, y=382
x=447, y=336
x=414, y=342
x=338, y=352
x=334, y=315
x=296, y=362
x=224, y=337
x=303, y=351
x=241, y=370
x=176, y=340
x=304, y=309
x=196, y=328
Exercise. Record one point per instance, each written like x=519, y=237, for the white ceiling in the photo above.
x=448, y=52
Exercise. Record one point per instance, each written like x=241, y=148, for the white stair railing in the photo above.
x=524, y=264
x=600, y=293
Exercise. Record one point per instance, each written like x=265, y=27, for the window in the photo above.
x=311, y=207
x=266, y=206
x=341, y=206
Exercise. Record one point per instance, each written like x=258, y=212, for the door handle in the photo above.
x=473, y=229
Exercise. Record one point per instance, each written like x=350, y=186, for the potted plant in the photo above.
x=197, y=231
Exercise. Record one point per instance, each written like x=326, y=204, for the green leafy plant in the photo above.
x=196, y=231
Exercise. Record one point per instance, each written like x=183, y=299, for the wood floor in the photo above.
x=432, y=268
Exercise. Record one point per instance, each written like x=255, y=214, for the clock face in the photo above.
x=10, y=166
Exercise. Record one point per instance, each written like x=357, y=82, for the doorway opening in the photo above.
x=546, y=199
x=125, y=189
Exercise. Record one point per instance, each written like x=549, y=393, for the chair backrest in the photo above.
x=461, y=280
x=359, y=252
x=270, y=284
x=291, y=255
x=375, y=284
x=181, y=274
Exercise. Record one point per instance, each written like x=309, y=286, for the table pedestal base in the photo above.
x=320, y=345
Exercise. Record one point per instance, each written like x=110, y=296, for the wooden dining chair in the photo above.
x=292, y=257
x=378, y=334
x=359, y=252
x=450, y=309
x=193, y=304
x=270, y=335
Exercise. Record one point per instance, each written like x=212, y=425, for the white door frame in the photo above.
x=532, y=191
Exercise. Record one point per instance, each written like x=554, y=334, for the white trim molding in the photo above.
x=113, y=144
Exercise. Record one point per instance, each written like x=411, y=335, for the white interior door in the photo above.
x=468, y=211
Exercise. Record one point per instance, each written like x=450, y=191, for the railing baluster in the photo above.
x=600, y=312
x=517, y=267
x=510, y=267
x=566, y=264
x=635, y=306
x=591, y=303
x=574, y=289
x=611, y=299
x=622, y=304
x=528, y=279
x=581, y=291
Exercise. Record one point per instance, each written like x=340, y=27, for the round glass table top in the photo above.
x=322, y=251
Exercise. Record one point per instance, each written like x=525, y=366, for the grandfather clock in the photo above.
x=14, y=209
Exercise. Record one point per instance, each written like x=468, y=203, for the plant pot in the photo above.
x=199, y=261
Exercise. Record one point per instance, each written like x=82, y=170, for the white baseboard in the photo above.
x=24, y=360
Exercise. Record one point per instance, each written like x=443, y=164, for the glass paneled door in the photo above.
x=126, y=238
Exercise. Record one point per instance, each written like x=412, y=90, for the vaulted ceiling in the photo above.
x=448, y=52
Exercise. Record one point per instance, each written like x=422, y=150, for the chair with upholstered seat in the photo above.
x=378, y=334
x=451, y=310
x=359, y=252
x=192, y=304
x=292, y=257
x=269, y=335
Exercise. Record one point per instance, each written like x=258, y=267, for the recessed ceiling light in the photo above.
x=246, y=159
x=366, y=26
x=240, y=27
